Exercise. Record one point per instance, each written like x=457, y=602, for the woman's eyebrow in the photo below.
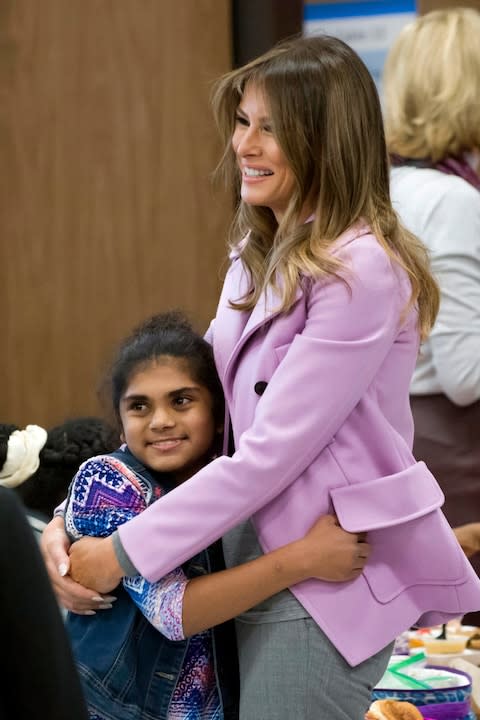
x=263, y=119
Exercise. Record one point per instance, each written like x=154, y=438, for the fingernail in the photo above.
x=89, y=612
x=63, y=569
x=97, y=598
x=105, y=606
x=109, y=598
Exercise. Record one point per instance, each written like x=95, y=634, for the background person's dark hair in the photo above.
x=68, y=445
x=166, y=334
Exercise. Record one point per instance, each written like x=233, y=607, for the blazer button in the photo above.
x=260, y=387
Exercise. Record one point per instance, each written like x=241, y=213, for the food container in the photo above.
x=452, y=644
x=440, y=693
x=440, y=652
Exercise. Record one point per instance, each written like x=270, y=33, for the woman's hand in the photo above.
x=72, y=596
x=333, y=554
x=469, y=538
x=94, y=564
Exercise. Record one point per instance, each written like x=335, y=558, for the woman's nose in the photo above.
x=248, y=143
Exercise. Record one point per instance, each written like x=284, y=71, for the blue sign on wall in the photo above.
x=368, y=27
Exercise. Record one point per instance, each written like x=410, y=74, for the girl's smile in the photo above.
x=167, y=444
x=167, y=418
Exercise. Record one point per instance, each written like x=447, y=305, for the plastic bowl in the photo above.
x=461, y=692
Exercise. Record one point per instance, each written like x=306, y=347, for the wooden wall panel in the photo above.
x=427, y=5
x=257, y=26
x=106, y=208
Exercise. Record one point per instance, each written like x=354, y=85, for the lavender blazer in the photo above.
x=332, y=431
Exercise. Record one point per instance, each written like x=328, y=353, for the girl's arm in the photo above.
x=327, y=552
x=469, y=538
x=104, y=494
x=179, y=607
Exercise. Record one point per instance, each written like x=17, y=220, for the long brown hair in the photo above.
x=326, y=118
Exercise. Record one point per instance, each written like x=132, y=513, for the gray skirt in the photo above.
x=289, y=670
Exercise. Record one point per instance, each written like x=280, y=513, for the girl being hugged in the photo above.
x=136, y=661
x=315, y=340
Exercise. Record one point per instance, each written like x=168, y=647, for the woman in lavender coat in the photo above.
x=315, y=339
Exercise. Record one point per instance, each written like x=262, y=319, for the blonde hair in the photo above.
x=327, y=120
x=432, y=86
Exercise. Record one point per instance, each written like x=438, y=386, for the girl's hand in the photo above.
x=469, y=538
x=333, y=554
x=94, y=564
x=72, y=596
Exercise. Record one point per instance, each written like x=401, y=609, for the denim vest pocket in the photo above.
x=411, y=541
x=128, y=669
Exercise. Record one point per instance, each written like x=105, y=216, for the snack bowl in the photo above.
x=448, y=688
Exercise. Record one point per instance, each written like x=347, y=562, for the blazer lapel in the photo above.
x=267, y=307
x=233, y=328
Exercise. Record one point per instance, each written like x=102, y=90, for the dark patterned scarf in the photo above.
x=449, y=165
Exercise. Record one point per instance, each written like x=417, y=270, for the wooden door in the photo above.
x=106, y=208
x=427, y=5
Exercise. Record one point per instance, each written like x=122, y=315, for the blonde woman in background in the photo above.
x=432, y=119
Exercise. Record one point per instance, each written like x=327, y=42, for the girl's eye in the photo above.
x=182, y=401
x=138, y=406
x=267, y=128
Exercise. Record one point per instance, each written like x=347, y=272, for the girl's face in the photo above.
x=167, y=418
x=267, y=178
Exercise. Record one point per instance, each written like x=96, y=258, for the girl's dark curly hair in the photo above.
x=165, y=334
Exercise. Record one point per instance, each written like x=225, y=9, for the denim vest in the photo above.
x=128, y=668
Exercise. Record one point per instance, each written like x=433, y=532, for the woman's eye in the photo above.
x=240, y=120
x=268, y=128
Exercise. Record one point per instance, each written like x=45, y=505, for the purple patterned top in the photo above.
x=104, y=494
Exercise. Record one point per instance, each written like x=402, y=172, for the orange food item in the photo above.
x=393, y=710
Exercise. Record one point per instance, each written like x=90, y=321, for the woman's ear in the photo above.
x=122, y=437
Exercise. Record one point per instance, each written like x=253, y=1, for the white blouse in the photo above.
x=444, y=211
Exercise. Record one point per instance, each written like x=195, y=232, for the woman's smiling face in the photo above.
x=267, y=178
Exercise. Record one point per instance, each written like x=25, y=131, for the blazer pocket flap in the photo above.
x=387, y=501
